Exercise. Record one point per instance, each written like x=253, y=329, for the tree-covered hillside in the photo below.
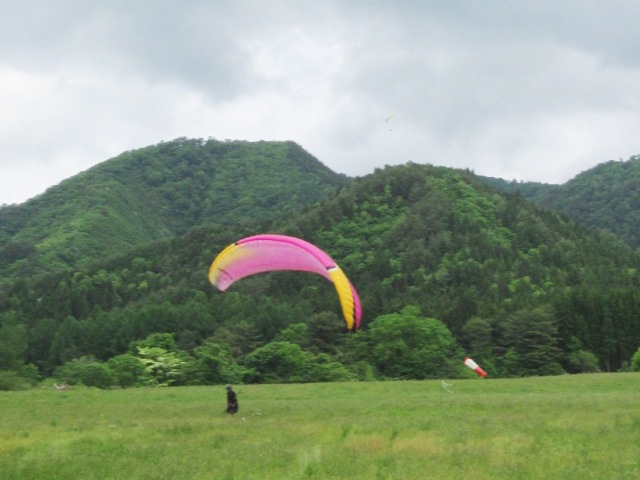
x=606, y=196
x=443, y=262
x=156, y=193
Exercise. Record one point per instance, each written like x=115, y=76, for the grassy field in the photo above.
x=569, y=427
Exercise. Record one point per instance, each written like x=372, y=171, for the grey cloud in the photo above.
x=535, y=90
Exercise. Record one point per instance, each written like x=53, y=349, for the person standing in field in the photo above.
x=232, y=400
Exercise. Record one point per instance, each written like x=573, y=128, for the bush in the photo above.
x=583, y=361
x=86, y=371
x=635, y=361
x=128, y=370
x=324, y=369
x=10, y=380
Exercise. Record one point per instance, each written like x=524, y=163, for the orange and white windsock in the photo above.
x=475, y=367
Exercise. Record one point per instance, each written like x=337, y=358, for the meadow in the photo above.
x=566, y=427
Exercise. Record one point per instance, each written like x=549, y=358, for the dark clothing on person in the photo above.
x=232, y=401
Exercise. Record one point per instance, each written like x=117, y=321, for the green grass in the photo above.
x=569, y=427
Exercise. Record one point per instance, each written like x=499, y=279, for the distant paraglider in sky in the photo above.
x=266, y=253
x=475, y=367
x=389, y=120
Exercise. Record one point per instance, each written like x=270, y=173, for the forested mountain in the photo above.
x=444, y=264
x=156, y=193
x=606, y=196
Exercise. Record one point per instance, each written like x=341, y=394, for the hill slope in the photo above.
x=501, y=273
x=158, y=192
x=606, y=196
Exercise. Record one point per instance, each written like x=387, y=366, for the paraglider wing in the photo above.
x=349, y=300
x=266, y=253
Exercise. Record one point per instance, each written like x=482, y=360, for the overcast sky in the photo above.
x=531, y=90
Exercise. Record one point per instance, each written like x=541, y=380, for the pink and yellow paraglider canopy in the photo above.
x=266, y=253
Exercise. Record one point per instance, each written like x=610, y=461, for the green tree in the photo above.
x=478, y=335
x=165, y=367
x=69, y=341
x=326, y=332
x=531, y=336
x=635, y=361
x=297, y=333
x=356, y=355
x=479, y=340
x=407, y=345
x=15, y=373
x=128, y=370
x=13, y=345
x=165, y=341
x=216, y=365
x=279, y=362
x=242, y=337
x=580, y=360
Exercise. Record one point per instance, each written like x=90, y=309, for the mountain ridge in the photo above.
x=606, y=196
x=158, y=192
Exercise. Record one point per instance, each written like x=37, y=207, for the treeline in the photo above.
x=445, y=266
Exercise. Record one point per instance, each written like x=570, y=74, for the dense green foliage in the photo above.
x=155, y=193
x=453, y=264
x=604, y=197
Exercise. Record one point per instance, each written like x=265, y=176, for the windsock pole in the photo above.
x=475, y=367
